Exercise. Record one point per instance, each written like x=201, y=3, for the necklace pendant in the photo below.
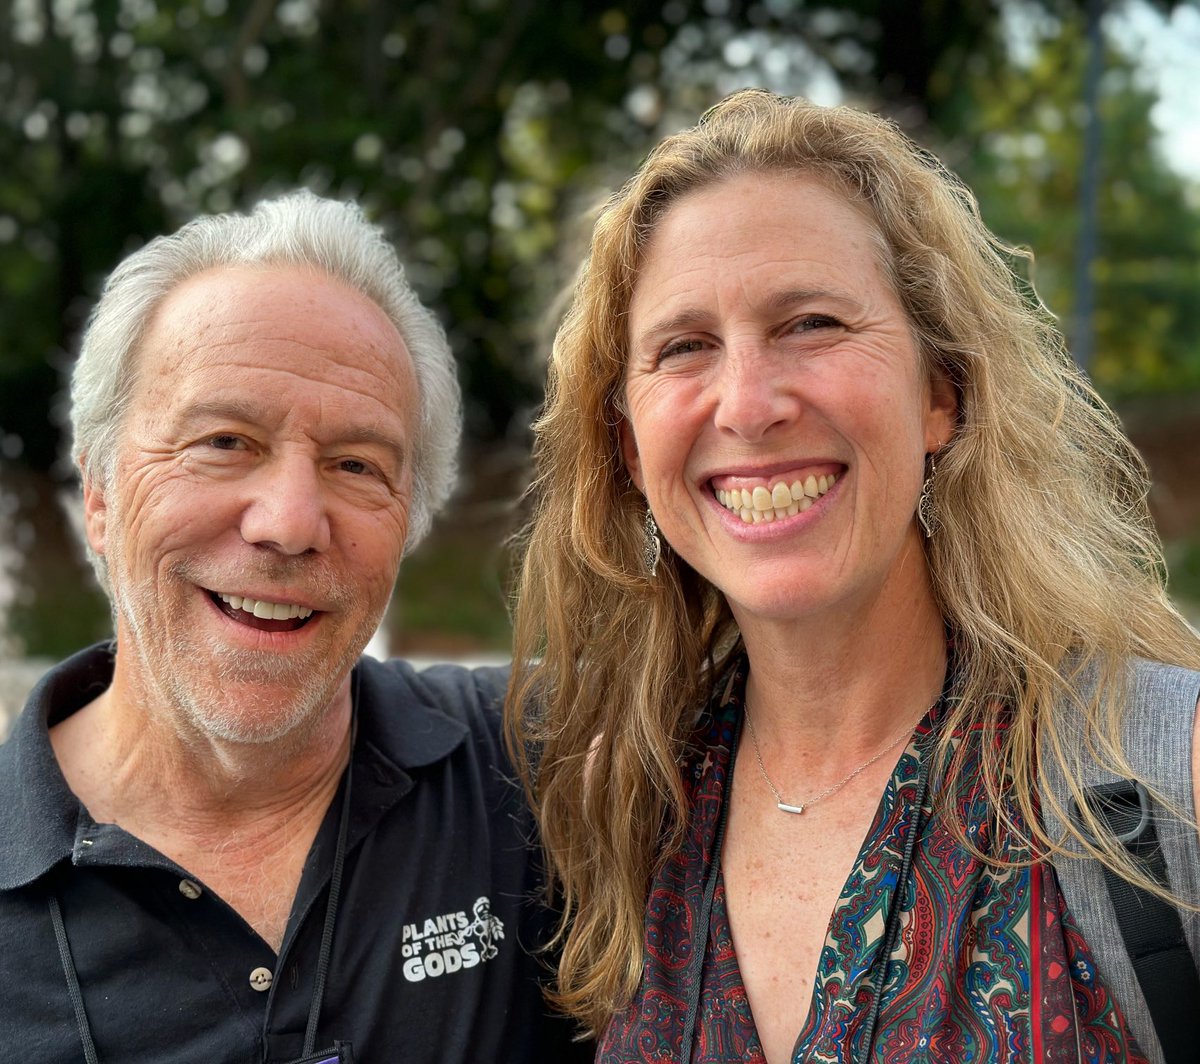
x=785, y=808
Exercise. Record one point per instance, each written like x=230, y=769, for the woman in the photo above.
x=827, y=529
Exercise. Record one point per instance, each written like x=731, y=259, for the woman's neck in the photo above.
x=850, y=679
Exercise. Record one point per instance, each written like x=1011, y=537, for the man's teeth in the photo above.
x=755, y=505
x=266, y=611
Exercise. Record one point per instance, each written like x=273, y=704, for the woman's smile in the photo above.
x=765, y=500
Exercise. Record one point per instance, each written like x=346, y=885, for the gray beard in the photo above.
x=210, y=709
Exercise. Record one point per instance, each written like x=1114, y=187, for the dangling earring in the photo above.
x=927, y=507
x=652, y=548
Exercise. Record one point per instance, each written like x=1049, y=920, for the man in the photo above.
x=226, y=838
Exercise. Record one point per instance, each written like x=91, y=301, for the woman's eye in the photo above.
x=355, y=466
x=681, y=347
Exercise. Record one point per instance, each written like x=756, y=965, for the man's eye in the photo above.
x=225, y=443
x=815, y=321
x=355, y=466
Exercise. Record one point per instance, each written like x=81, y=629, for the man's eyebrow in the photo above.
x=221, y=409
x=249, y=412
x=376, y=438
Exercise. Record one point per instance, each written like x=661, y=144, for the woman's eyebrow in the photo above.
x=791, y=296
x=690, y=317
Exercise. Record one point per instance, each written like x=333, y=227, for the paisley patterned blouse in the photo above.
x=931, y=955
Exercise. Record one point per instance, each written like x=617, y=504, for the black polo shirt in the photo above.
x=431, y=953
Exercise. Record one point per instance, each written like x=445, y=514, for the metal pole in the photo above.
x=1089, y=189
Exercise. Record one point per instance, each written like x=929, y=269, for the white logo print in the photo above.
x=451, y=942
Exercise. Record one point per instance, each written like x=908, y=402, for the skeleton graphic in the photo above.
x=487, y=928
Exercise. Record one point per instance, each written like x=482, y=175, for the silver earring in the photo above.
x=652, y=548
x=927, y=507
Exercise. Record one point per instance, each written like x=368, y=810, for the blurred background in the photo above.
x=480, y=132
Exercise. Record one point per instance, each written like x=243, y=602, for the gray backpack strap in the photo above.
x=1158, y=743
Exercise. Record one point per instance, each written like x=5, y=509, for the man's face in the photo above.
x=257, y=514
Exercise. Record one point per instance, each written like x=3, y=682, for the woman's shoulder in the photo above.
x=1156, y=717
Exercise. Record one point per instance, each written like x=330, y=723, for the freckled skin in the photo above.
x=266, y=452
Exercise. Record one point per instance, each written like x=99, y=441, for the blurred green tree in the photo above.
x=474, y=130
x=467, y=127
x=1025, y=167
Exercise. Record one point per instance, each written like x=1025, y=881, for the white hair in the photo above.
x=298, y=229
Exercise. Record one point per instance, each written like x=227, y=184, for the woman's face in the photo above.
x=778, y=412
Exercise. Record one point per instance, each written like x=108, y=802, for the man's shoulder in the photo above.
x=454, y=687
x=423, y=707
x=36, y=805
x=458, y=690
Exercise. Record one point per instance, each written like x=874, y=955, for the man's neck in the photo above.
x=129, y=759
x=226, y=813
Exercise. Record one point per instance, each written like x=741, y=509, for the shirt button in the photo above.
x=260, y=979
x=189, y=890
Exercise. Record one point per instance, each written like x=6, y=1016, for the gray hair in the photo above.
x=298, y=229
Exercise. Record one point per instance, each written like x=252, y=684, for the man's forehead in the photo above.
x=246, y=297
x=281, y=349
x=287, y=318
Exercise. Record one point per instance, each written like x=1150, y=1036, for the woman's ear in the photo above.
x=943, y=411
x=629, y=452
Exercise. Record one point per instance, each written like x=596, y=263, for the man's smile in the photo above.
x=262, y=614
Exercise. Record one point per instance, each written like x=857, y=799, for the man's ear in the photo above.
x=95, y=512
x=629, y=452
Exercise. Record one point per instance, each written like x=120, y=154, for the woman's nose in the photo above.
x=753, y=396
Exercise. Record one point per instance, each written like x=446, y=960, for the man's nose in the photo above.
x=753, y=393
x=287, y=509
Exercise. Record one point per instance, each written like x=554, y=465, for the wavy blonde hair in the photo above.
x=1047, y=563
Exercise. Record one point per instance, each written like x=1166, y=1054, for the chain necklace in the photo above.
x=786, y=807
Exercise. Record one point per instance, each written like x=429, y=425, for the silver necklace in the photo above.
x=787, y=807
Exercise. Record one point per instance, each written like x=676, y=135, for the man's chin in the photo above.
x=259, y=716
x=261, y=700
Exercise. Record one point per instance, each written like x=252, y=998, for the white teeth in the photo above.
x=762, y=503
x=267, y=611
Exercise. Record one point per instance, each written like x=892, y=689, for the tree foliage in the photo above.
x=476, y=131
x=1025, y=166
x=468, y=127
